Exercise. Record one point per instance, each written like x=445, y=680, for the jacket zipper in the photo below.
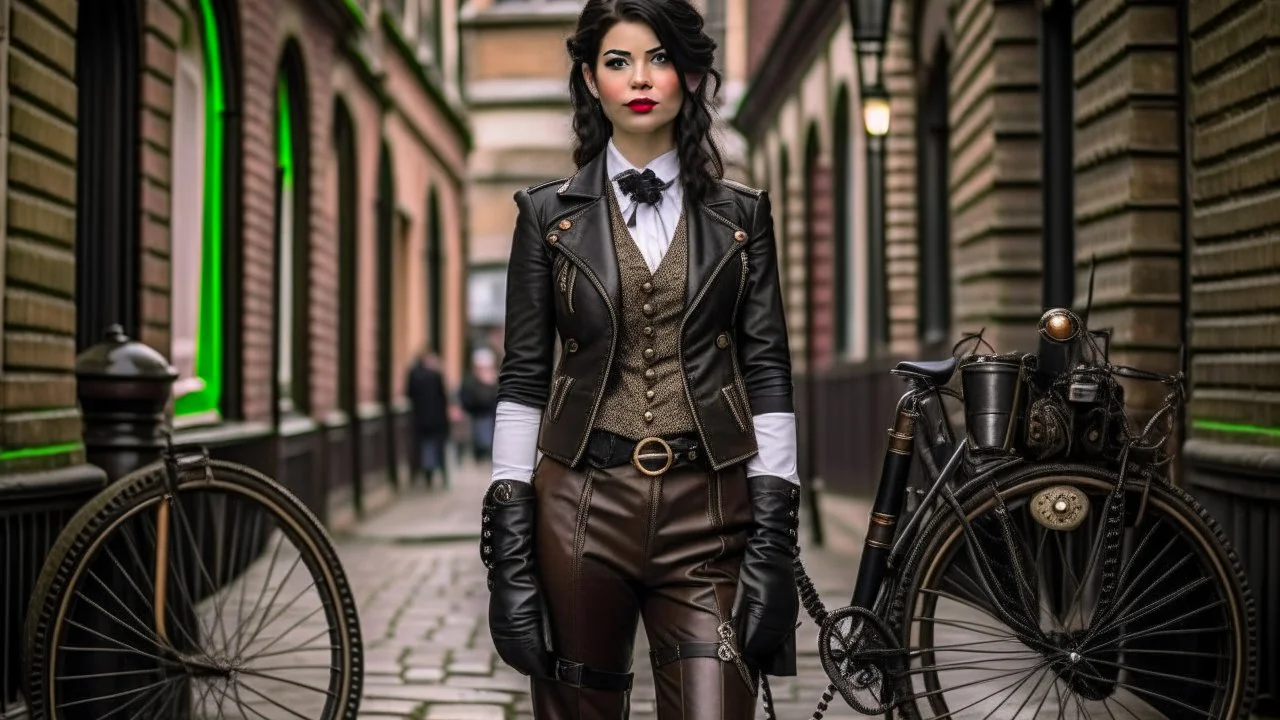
x=613, y=341
x=684, y=377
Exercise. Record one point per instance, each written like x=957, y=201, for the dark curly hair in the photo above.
x=678, y=26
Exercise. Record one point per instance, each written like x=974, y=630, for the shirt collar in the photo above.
x=666, y=166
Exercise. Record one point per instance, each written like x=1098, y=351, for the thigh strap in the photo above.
x=724, y=651
x=672, y=653
x=581, y=675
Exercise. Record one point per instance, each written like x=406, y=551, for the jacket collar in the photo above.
x=710, y=228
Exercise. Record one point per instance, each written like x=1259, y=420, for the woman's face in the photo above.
x=636, y=82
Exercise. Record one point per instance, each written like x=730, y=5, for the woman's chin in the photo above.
x=638, y=125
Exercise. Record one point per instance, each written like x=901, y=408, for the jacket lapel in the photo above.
x=711, y=237
x=589, y=236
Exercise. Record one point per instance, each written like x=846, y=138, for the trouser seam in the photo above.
x=579, y=547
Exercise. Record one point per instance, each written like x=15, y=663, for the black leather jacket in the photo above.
x=733, y=342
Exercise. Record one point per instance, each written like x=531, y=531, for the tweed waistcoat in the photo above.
x=645, y=395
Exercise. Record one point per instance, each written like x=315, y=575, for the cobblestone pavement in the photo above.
x=420, y=586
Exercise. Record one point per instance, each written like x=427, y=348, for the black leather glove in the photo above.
x=516, y=614
x=767, y=604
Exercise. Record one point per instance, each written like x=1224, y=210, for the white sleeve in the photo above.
x=776, y=440
x=515, y=441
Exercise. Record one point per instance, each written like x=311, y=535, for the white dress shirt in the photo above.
x=515, y=433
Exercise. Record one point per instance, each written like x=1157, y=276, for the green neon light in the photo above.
x=284, y=148
x=46, y=451
x=356, y=12
x=209, y=336
x=1239, y=428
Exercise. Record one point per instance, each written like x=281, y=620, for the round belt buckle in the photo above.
x=639, y=456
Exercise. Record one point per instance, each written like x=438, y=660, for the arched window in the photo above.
x=292, y=236
x=344, y=139
x=842, y=210
x=385, y=243
x=933, y=149
x=200, y=237
x=781, y=206
x=435, y=273
x=817, y=250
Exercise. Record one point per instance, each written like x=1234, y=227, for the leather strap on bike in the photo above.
x=581, y=675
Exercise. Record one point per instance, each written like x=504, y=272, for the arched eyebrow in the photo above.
x=627, y=54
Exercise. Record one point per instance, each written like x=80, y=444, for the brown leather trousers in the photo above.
x=615, y=545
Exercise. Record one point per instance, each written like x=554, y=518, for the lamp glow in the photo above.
x=875, y=116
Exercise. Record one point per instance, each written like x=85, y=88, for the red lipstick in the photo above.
x=642, y=105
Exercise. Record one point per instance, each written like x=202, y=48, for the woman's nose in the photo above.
x=639, y=78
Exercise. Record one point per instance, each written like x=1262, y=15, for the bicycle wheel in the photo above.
x=1067, y=595
x=166, y=604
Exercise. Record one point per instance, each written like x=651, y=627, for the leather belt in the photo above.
x=652, y=456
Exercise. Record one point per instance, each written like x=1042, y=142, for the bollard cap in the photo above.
x=119, y=357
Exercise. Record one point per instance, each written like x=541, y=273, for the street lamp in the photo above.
x=870, y=26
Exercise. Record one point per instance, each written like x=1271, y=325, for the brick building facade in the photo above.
x=1030, y=140
x=269, y=193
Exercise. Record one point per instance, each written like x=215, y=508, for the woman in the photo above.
x=650, y=472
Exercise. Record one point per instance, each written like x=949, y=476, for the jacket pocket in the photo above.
x=559, y=393
x=566, y=274
x=729, y=393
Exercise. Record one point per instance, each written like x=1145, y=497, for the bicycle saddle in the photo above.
x=936, y=372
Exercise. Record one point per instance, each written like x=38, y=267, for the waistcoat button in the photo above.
x=647, y=287
x=648, y=330
x=648, y=353
x=648, y=416
x=648, y=309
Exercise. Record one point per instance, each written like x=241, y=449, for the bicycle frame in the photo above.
x=879, y=546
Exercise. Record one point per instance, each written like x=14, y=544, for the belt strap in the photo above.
x=672, y=653
x=582, y=675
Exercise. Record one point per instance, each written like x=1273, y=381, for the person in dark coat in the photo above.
x=479, y=398
x=425, y=388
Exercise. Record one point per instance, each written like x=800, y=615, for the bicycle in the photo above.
x=128, y=616
x=1143, y=612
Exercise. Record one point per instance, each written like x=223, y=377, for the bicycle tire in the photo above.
x=89, y=527
x=1200, y=527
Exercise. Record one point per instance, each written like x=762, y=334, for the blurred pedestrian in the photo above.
x=479, y=398
x=424, y=386
x=649, y=472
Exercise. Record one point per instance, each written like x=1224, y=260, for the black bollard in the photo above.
x=124, y=387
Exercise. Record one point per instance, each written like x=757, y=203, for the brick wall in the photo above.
x=820, y=276
x=162, y=27
x=259, y=53
x=37, y=386
x=901, y=237
x=765, y=18
x=1128, y=180
x=263, y=35
x=319, y=45
x=1235, y=221
x=995, y=171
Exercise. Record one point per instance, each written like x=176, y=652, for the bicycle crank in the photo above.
x=858, y=653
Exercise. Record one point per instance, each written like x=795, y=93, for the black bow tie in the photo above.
x=642, y=187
